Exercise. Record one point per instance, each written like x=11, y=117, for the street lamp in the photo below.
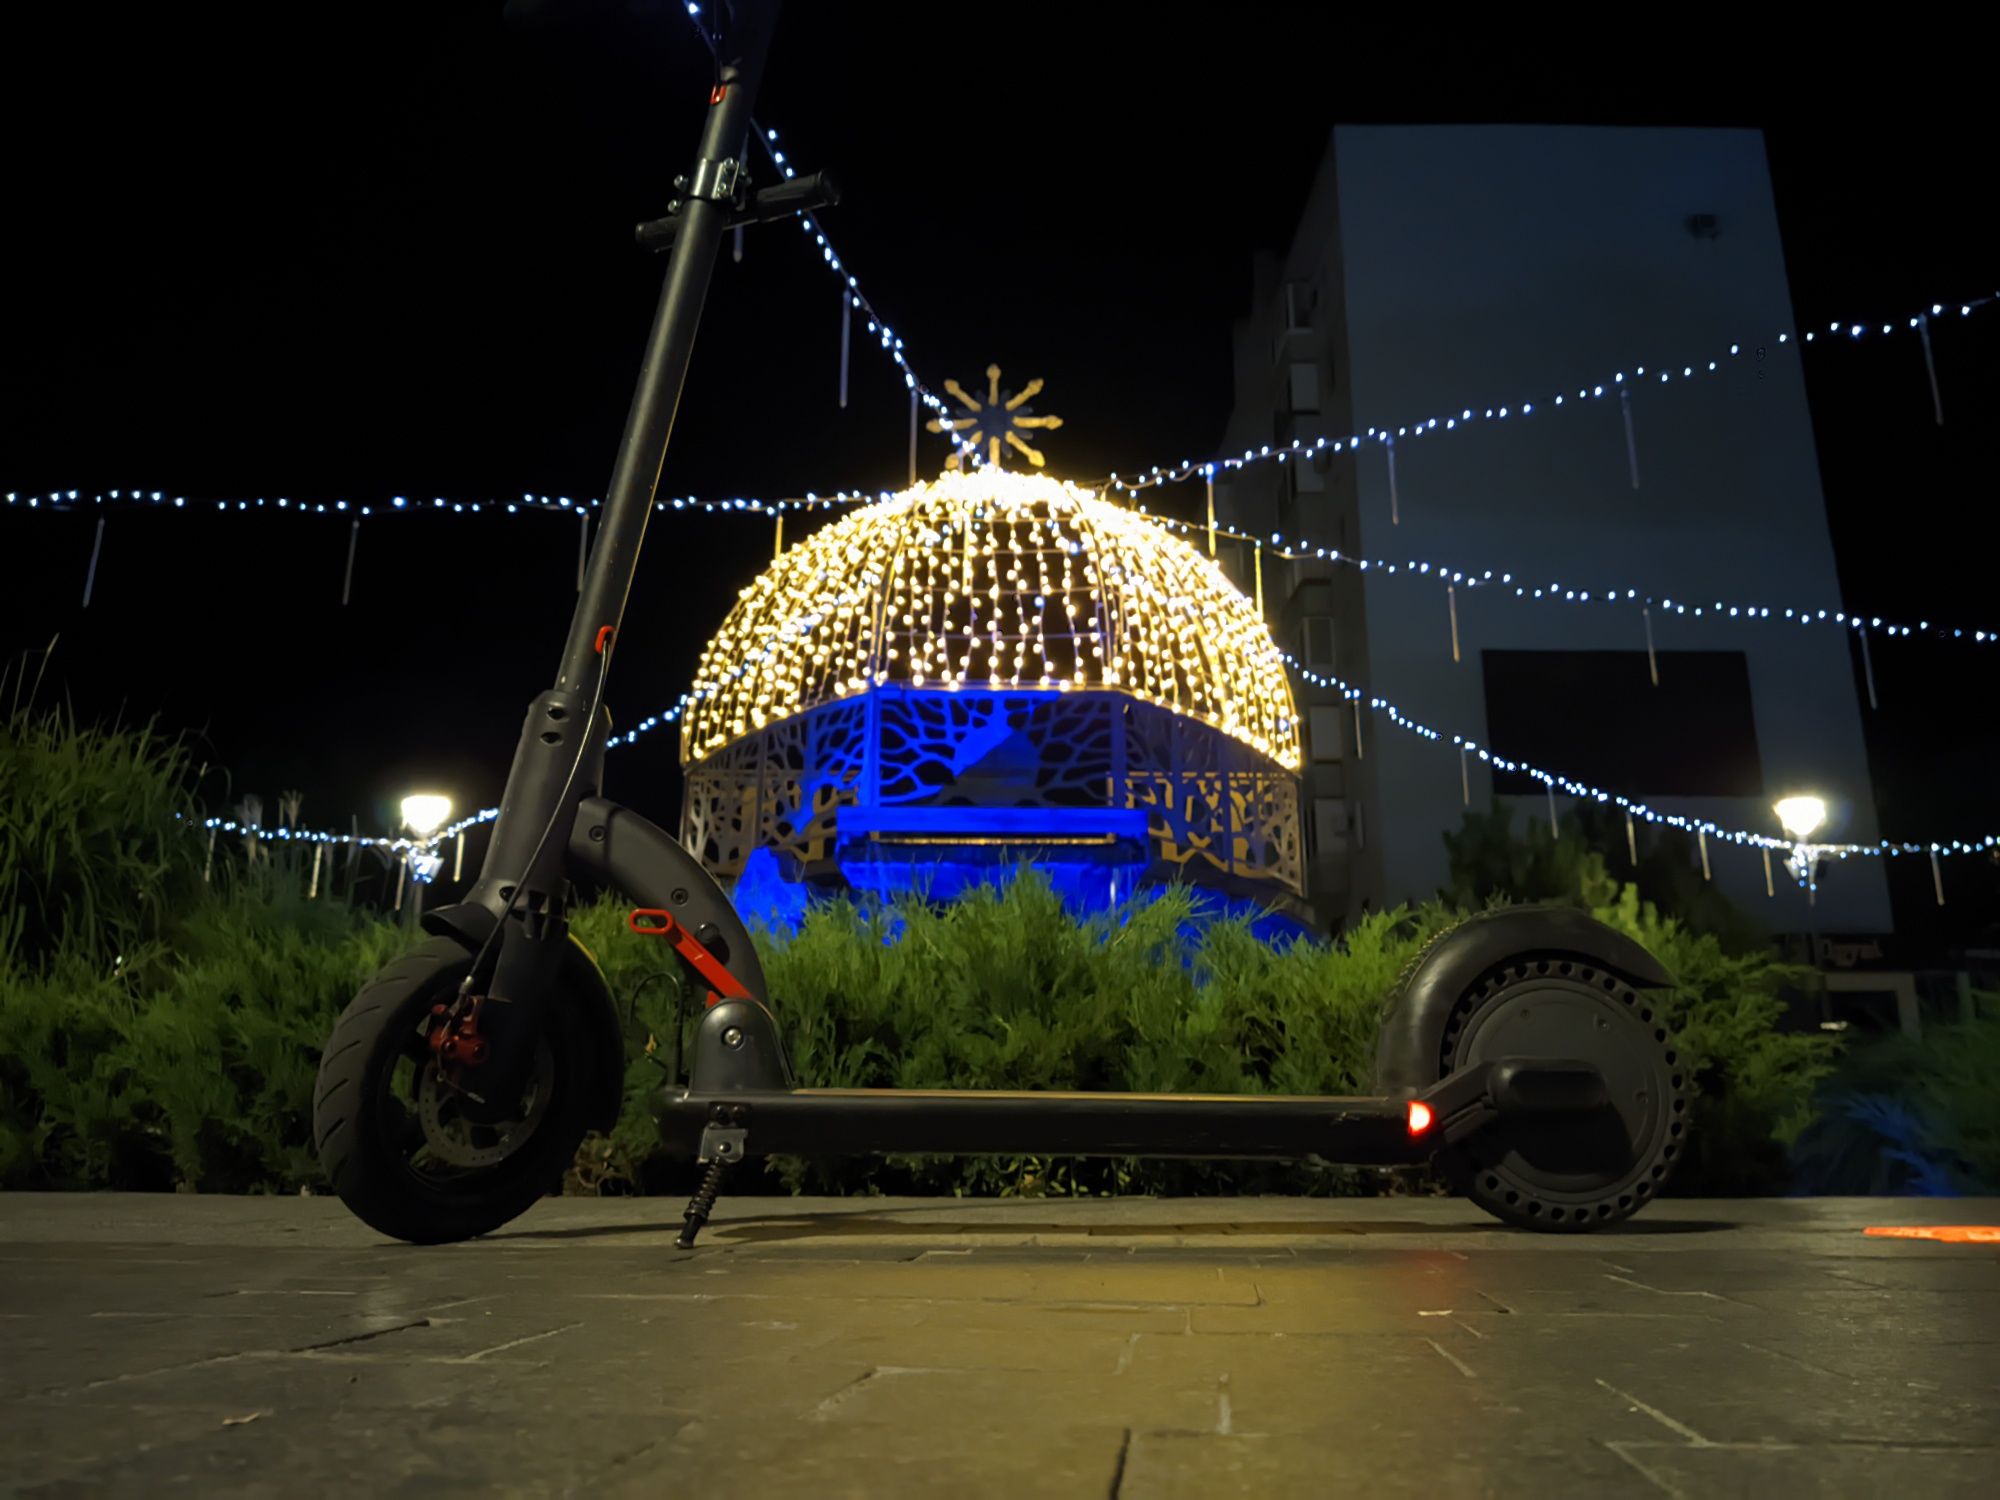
x=424, y=813
x=1801, y=817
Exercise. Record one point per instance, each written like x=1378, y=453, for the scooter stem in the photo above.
x=628, y=502
x=558, y=761
x=534, y=798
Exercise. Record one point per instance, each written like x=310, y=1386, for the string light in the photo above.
x=885, y=336
x=62, y=501
x=782, y=639
x=388, y=845
x=1277, y=545
x=1584, y=394
x=1556, y=782
x=1170, y=623
x=1443, y=574
x=1156, y=475
x=1549, y=779
x=1039, y=582
x=995, y=581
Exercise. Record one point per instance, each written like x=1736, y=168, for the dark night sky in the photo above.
x=360, y=251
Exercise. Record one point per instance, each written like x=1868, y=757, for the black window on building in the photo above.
x=1316, y=644
x=1595, y=716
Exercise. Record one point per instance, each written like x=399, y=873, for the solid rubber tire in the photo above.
x=1518, y=1198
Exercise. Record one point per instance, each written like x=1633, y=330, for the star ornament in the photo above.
x=994, y=426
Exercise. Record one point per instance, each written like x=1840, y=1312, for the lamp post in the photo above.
x=1801, y=816
x=424, y=813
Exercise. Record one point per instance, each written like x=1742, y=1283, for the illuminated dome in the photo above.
x=987, y=582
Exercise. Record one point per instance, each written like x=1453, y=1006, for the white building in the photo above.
x=1440, y=269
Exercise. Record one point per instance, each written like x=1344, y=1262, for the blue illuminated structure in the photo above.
x=990, y=670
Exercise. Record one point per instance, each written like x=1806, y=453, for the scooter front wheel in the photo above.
x=387, y=1124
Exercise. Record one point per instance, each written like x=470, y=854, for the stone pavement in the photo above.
x=1132, y=1349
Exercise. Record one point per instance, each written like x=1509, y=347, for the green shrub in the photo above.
x=1904, y=1113
x=185, y=1066
x=96, y=847
x=192, y=1066
x=1004, y=989
x=160, y=1020
x=160, y=1013
x=1489, y=860
x=1755, y=1083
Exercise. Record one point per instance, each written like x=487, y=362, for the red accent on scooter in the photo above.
x=715, y=94
x=723, y=984
x=457, y=1043
x=604, y=633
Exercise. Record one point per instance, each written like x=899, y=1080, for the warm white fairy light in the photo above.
x=993, y=581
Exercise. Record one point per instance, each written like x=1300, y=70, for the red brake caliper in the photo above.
x=455, y=1041
x=722, y=985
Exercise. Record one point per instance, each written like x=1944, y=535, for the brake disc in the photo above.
x=459, y=1142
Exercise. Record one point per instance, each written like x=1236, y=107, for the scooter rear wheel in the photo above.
x=388, y=1132
x=1568, y=1172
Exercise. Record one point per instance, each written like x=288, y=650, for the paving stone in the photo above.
x=946, y=1346
x=1352, y=1305
x=1358, y=1461
x=1122, y=1349
x=1123, y=1319
x=856, y=1460
x=1713, y=1392
x=1832, y=1471
x=439, y=1451
x=1954, y=1316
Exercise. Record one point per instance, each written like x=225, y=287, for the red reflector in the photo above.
x=1420, y=1117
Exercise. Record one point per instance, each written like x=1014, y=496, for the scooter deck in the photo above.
x=1364, y=1130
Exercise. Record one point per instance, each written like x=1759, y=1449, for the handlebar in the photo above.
x=796, y=195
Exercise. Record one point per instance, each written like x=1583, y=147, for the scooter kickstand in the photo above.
x=721, y=1149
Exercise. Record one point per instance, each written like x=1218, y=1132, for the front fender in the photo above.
x=1413, y=1023
x=653, y=869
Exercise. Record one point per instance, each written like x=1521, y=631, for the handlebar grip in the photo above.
x=657, y=234
x=816, y=191
x=797, y=195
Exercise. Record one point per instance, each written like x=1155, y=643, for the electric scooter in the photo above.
x=1523, y=1054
